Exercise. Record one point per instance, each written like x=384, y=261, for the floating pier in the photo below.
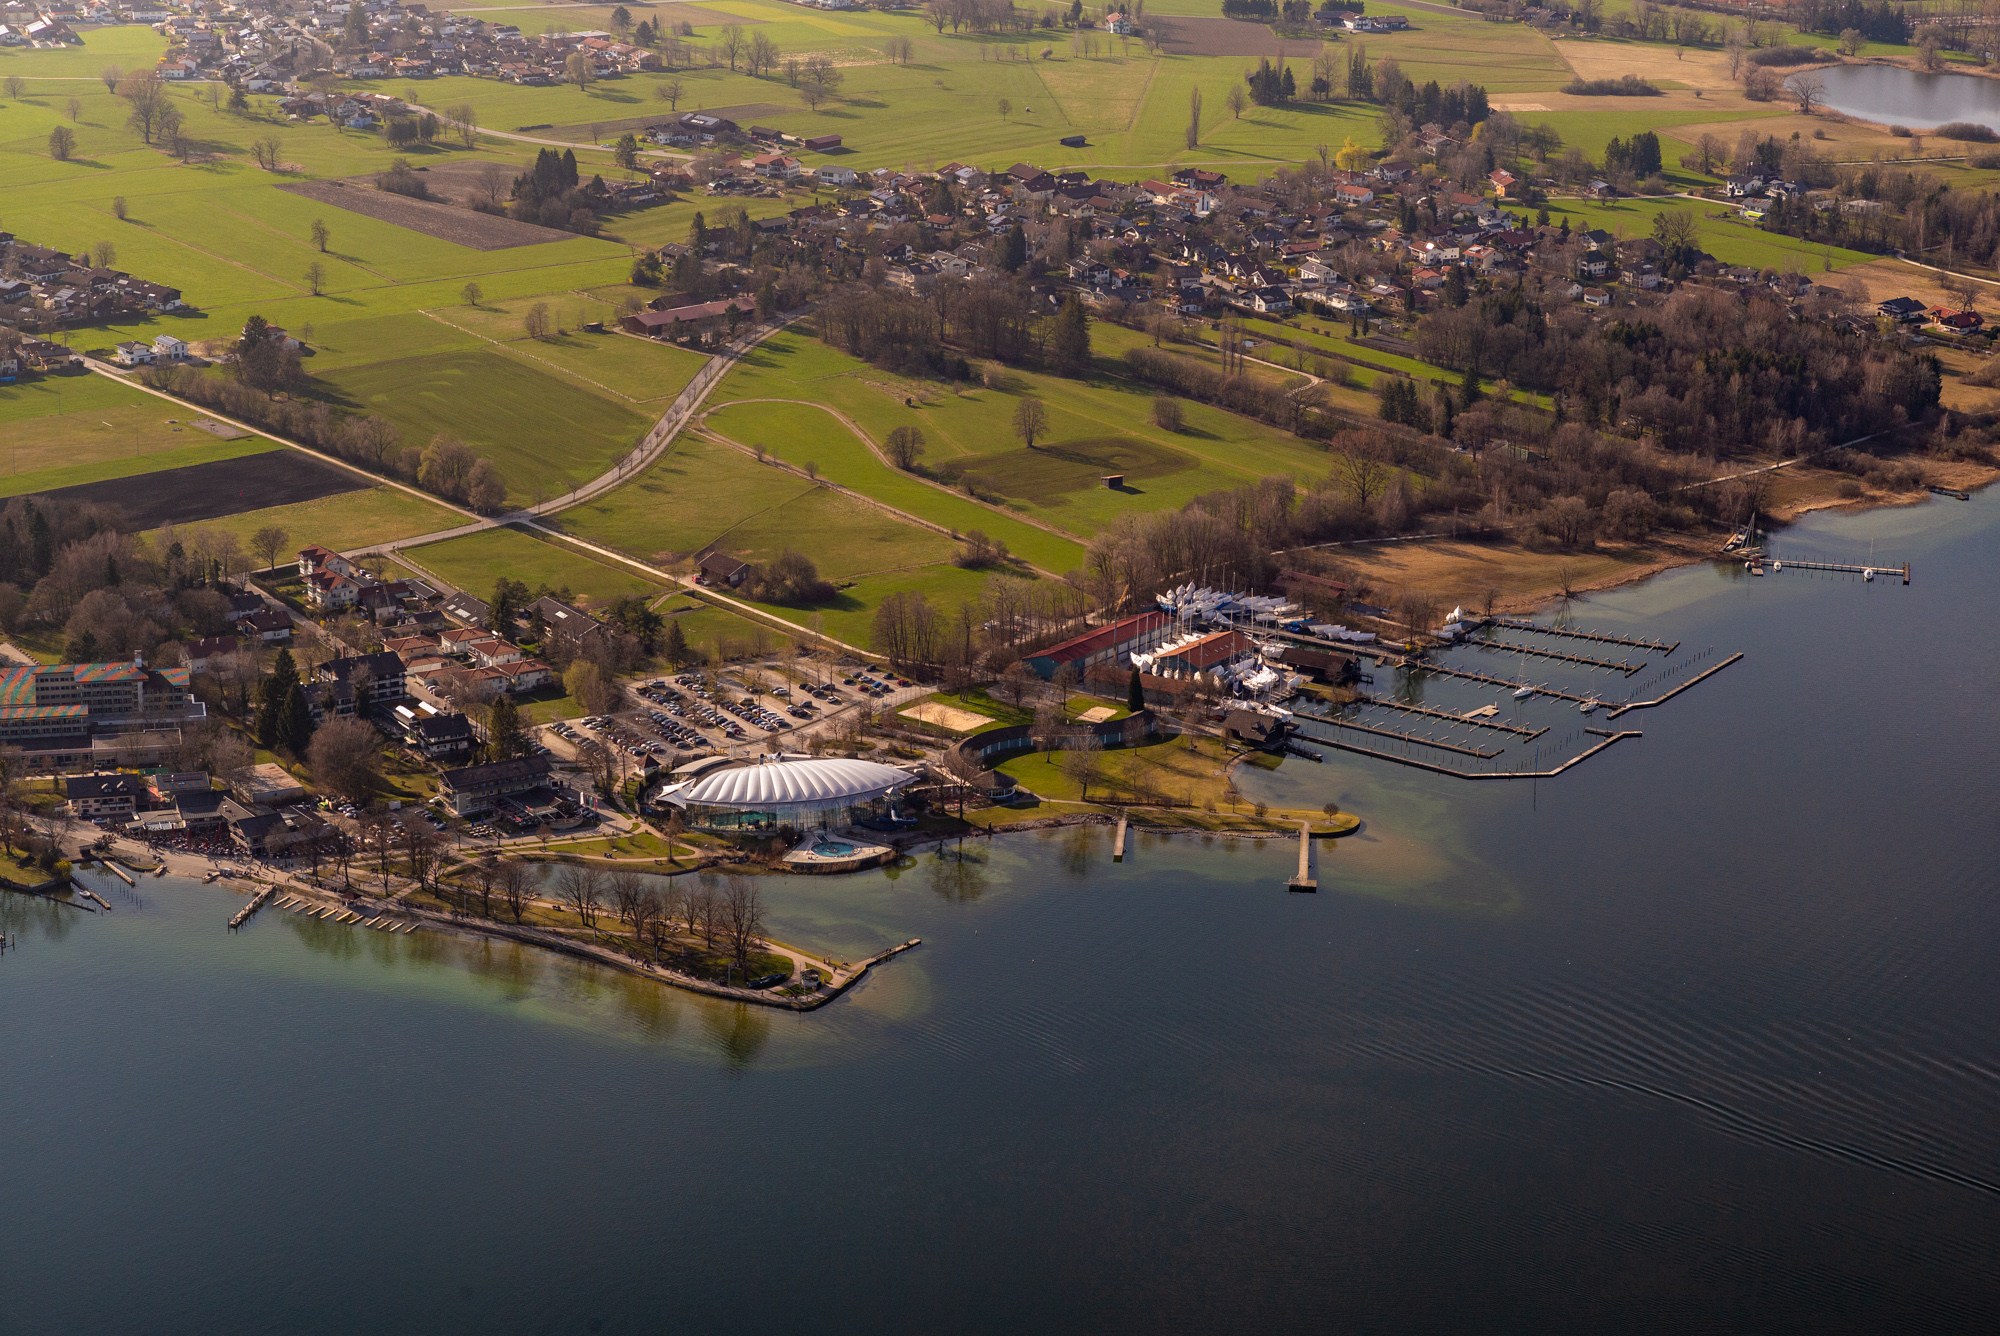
x=1510, y=683
x=1608, y=739
x=89, y=894
x=1428, y=713
x=1560, y=656
x=1303, y=879
x=117, y=872
x=1595, y=637
x=257, y=902
x=1418, y=738
x=1663, y=698
x=1779, y=565
x=1118, y=841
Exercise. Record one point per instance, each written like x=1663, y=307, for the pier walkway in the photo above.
x=1595, y=637
x=1426, y=712
x=1560, y=656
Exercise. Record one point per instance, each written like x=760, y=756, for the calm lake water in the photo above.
x=1698, y=1038
x=1891, y=95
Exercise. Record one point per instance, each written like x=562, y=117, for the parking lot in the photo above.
x=690, y=715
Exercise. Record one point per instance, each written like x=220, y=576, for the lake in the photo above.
x=1891, y=95
x=1699, y=1037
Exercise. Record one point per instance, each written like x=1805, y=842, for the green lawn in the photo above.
x=60, y=431
x=346, y=521
x=1097, y=427
x=475, y=562
x=804, y=434
x=1721, y=233
x=544, y=432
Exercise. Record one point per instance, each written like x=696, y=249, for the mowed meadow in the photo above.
x=430, y=333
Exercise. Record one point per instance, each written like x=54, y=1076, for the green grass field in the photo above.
x=545, y=433
x=1097, y=427
x=476, y=562
x=346, y=521
x=61, y=431
x=1720, y=232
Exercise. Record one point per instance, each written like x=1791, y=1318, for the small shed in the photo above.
x=1114, y=482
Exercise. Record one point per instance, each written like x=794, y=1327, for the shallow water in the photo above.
x=1699, y=1037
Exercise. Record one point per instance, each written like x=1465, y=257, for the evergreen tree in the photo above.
x=272, y=697
x=1069, y=342
x=1014, y=249
x=1135, y=693
x=504, y=736
x=295, y=723
x=675, y=650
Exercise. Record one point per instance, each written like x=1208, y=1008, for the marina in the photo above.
x=1560, y=656
x=1573, y=633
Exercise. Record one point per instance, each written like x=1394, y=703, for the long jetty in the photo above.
x=1666, y=696
x=1781, y=564
x=1417, y=738
x=1595, y=637
x=1560, y=656
x=1118, y=840
x=1303, y=880
x=257, y=901
x=1511, y=684
x=1608, y=738
x=1427, y=712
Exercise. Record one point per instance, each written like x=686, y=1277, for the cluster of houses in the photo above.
x=438, y=650
x=1386, y=238
x=42, y=288
x=45, y=25
x=269, y=48
x=260, y=812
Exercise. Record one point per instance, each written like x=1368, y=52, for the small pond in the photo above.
x=1891, y=95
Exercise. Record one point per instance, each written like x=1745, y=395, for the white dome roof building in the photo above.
x=785, y=790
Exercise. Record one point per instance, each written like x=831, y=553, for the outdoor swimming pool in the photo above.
x=833, y=849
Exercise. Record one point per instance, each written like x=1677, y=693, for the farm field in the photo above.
x=64, y=431
x=344, y=522
x=475, y=562
x=216, y=489
x=544, y=433
x=1096, y=427
x=1727, y=238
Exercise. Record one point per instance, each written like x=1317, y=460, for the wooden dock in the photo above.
x=1118, y=840
x=89, y=894
x=1303, y=879
x=1779, y=565
x=117, y=872
x=1608, y=739
x=1425, y=711
x=1511, y=684
x=1417, y=738
x=1560, y=656
x=1663, y=698
x=1595, y=637
x=257, y=902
